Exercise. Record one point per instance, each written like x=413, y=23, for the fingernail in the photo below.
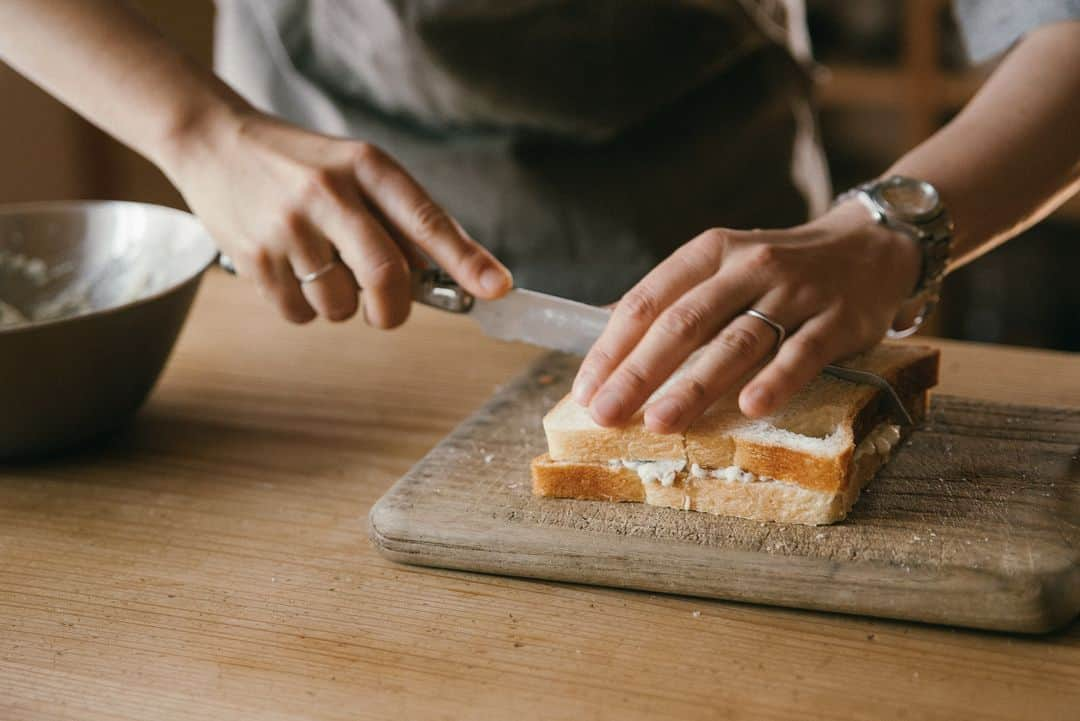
x=665, y=412
x=584, y=387
x=494, y=280
x=606, y=408
x=756, y=401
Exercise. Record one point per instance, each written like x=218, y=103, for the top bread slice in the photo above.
x=809, y=442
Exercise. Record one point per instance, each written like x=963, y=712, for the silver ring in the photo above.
x=316, y=274
x=781, y=334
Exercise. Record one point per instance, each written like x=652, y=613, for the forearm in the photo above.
x=1013, y=154
x=104, y=61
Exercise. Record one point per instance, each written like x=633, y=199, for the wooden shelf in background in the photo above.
x=886, y=87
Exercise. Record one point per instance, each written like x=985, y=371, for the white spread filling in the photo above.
x=663, y=472
x=731, y=473
x=880, y=440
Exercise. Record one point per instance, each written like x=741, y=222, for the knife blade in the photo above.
x=520, y=315
x=541, y=319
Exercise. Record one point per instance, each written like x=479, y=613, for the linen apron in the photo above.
x=582, y=141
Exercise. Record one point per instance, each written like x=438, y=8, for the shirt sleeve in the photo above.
x=989, y=27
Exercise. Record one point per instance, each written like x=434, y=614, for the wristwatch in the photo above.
x=914, y=208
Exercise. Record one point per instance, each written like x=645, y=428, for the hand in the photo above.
x=835, y=285
x=283, y=202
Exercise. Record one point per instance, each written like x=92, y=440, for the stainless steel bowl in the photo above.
x=93, y=296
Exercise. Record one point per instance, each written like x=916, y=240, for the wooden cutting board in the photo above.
x=975, y=521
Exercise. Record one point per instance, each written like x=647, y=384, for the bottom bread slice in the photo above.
x=727, y=492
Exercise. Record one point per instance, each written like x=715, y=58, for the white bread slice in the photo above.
x=803, y=456
x=760, y=499
x=573, y=435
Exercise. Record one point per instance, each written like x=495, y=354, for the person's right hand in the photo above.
x=283, y=202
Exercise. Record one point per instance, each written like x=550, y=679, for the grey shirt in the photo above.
x=583, y=69
x=990, y=27
x=581, y=140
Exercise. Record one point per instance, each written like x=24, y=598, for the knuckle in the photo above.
x=695, y=390
x=320, y=183
x=739, y=342
x=684, y=322
x=715, y=238
x=763, y=257
x=597, y=359
x=364, y=153
x=639, y=306
x=385, y=273
x=430, y=220
x=631, y=377
x=809, y=295
x=261, y=260
x=810, y=348
x=292, y=224
x=471, y=262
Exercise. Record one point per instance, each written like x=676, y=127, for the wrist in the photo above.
x=889, y=252
x=197, y=131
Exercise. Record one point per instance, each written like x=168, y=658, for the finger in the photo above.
x=277, y=283
x=413, y=255
x=724, y=363
x=333, y=294
x=639, y=308
x=376, y=261
x=406, y=205
x=798, y=361
x=680, y=330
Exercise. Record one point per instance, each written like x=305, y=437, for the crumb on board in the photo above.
x=489, y=457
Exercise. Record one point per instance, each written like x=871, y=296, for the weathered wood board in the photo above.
x=975, y=521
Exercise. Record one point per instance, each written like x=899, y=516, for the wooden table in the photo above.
x=212, y=562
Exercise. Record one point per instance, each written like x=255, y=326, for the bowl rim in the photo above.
x=38, y=206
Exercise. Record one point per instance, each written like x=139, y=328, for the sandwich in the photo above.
x=806, y=463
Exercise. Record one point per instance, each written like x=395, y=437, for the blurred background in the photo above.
x=893, y=72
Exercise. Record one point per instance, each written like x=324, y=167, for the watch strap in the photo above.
x=933, y=236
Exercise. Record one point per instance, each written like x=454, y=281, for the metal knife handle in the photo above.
x=434, y=287
x=430, y=286
x=899, y=412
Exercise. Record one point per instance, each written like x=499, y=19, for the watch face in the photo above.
x=908, y=199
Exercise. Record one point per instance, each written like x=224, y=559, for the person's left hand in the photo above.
x=835, y=285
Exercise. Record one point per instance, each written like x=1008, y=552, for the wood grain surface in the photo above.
x=212, y=563
x=974, y=522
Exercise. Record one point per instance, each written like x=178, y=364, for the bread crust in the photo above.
x=777, y=501
x=585, y=481
x=572, y=435
x=808, y=447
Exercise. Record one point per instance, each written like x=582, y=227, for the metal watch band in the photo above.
x=933, y=234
